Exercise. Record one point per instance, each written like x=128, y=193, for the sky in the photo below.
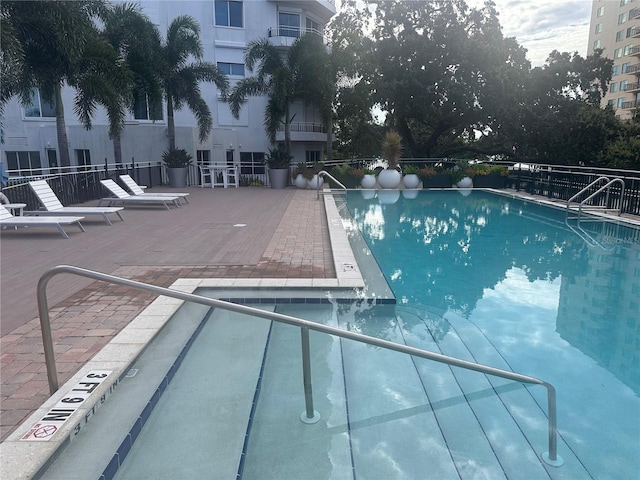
x=542, y=26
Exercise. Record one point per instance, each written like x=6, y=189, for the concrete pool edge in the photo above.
x=23, y=459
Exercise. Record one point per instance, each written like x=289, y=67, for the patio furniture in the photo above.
x=53, y=206
x=8, y=220
x=221, y=175
x=123, y=198
x=138, y=190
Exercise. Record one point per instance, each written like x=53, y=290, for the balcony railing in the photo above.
x=293, y=32
x=633, y=68
x=634, y=50
x=631, y=104
x=634, y=32
x=635, y=13
x=305, y=127
x=631, y=87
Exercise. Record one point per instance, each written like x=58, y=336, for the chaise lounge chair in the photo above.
x=53, y=206
x=8, y=220
x=137, y=190
x=123, y=198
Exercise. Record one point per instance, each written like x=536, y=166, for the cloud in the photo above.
x=544, y=25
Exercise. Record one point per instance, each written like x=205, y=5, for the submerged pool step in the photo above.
x=280, y=445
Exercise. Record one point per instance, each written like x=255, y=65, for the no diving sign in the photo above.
x=50, y=423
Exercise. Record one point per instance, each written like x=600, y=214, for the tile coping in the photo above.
x=22, y=460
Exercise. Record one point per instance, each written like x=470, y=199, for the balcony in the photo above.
x=631, y=69
x=325, y=9
x=285, y=36
x=635, y=13
x=304, y=132
x=634, y=32
x=631, y=87
x=631, y=104
x=634, y=51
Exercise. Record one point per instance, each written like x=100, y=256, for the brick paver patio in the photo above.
x=222, y=233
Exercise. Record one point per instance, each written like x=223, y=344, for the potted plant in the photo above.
x=489, y=176
x=411, y=178
x=314, y=181
x=278, y=161
x=368, y=180
x=391, y=151
x=435, y=177
x=300, y=175
x=177, y=161
x=461, y=175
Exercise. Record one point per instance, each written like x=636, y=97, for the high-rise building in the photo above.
x=615, y=28
x=226, y=28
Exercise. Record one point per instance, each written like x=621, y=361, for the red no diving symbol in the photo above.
x=45, y=431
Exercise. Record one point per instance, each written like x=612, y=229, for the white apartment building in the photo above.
x=227, y=26
x=615, y=28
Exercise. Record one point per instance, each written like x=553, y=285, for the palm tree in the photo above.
x=53, y=37
x=284, y=78
x=136, y=43
x=180, y=80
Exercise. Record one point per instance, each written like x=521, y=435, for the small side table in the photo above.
x=15, y=208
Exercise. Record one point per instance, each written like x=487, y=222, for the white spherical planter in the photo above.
x=315, y=182
x=389, y=178
x=368, y=194
x=411, y=180
x=300, y=181
x=410, y=193
x=368, y=181
x=466, y=182
x=388, y=196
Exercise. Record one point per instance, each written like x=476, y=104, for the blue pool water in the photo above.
x=482, y=277
x=552, y=298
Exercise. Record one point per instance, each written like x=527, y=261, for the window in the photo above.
x=24, y=163
x=142, y=110
x=252, y=163
x=313, y=156
x=203, y=157
x=599, y=28
x=623, y=2
x=312, y=26
x=617, y=53
x=622, y=18
x=228, y=13
x=231, y=68
x=625, y=67
x=288, y=24
x=620, y=102
x=620, y=36
x=40, y=107
x=628, y=49
x=615, y=71
x=596, y=44
x=623, y=85
x=600, y=11
x=611, y=103
x=614, y=87
x=83, y=157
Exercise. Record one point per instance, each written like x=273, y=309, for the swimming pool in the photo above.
x=546, y=295
x=537, y=306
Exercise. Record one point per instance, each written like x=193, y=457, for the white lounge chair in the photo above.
x=123, y=198
x=8, y=220
x=53, y=206
x=137, y=190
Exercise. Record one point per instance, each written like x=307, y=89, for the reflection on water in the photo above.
x=448, y=252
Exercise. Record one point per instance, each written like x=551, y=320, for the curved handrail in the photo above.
x=324, y=173
x=551, y=457
x=605, y=187
x=592, y=184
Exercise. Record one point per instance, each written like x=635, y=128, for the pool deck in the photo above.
x=244, y=233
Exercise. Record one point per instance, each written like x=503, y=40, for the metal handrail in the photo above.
x=324, y=173
x=309, y=415
x=606, y=202
x=585, y=189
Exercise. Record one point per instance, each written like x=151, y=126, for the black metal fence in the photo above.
x=563, y=182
